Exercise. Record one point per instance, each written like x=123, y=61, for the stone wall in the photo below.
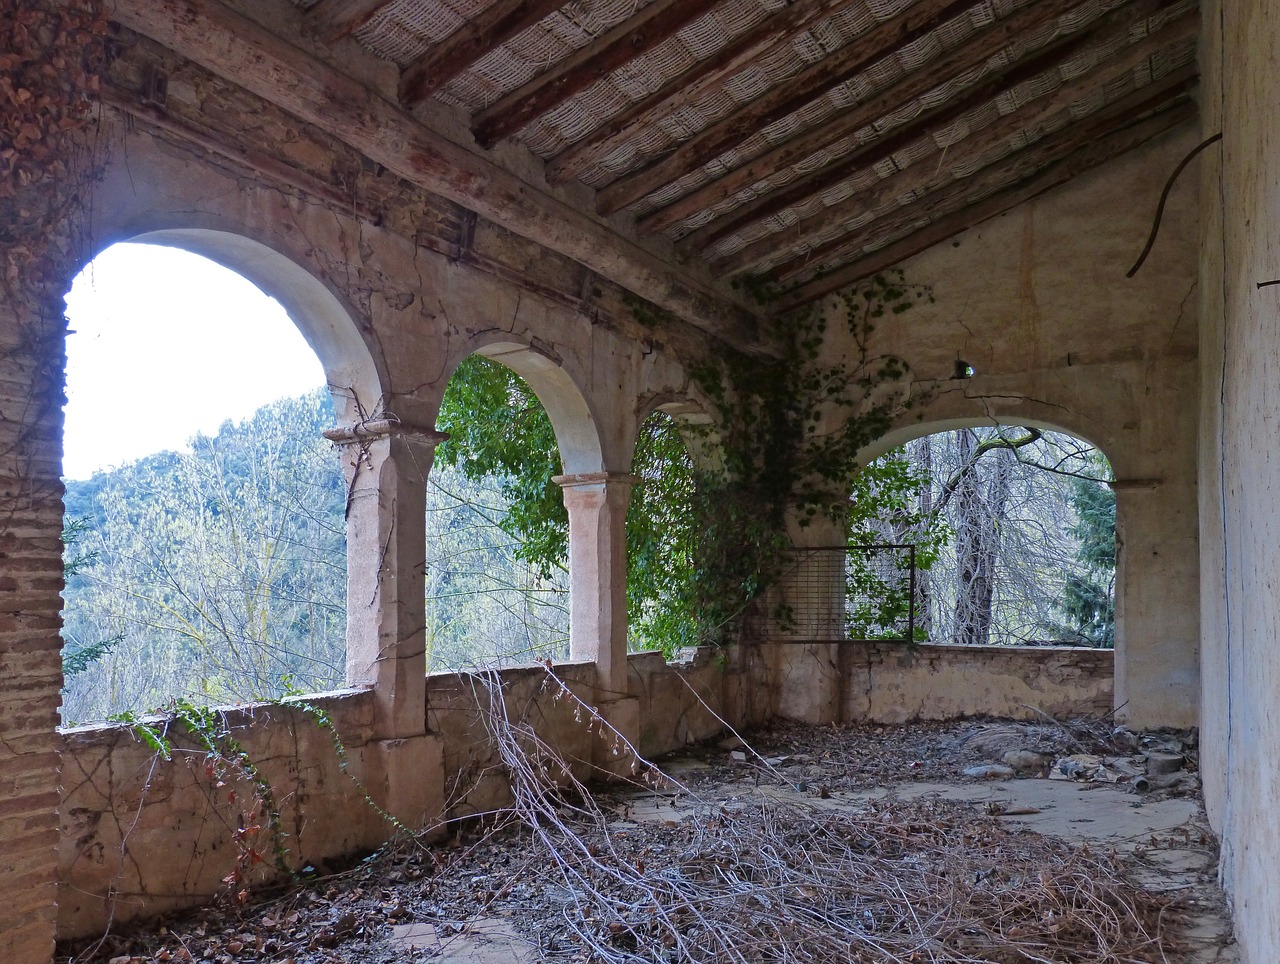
x=1038, y=302
x=141, y=834
x=1239, y=469
x=30, y=647
x=895, y=683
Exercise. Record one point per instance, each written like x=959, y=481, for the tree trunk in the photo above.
x=979, y=518
x=924, y=588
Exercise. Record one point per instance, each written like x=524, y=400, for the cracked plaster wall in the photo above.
x=1239, y=468
x=1038, y=303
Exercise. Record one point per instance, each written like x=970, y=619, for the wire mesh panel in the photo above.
x=835, y=593
x=880, y=592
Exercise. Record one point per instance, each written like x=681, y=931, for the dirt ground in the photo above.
x=1047, y=841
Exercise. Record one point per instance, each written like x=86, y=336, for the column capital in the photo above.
x=373, y=429
x=583, y=479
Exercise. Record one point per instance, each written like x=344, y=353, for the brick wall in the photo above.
x=30, y=661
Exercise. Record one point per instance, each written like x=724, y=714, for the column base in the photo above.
x=406, y=779
x=611, y=754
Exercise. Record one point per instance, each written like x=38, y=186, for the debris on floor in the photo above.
x=800, y=843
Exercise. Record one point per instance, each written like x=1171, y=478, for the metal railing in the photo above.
x=837, y=593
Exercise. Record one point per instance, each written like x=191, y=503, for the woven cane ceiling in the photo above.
x=795, y=141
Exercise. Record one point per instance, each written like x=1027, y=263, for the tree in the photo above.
x=1018, y=555
x=221, y=572
x=1089, y=596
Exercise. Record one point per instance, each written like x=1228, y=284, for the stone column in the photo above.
x=1157, y=596
x=386, y=465
x=597, y=504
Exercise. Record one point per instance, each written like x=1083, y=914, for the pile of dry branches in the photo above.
x=762, y=881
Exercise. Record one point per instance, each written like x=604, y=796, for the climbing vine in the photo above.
x=790, y=430
x=51, y=58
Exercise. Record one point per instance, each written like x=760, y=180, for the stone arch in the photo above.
x=696, y=424
x=907, y=433
x=354, y=372
x=572, y=415
x=354, y=369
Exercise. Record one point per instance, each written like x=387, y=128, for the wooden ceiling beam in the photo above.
x=881, y=41
x=779, y=27
x=925, y=174
x=1085, y=158
x=942, y=201
x=486, y=31
x=518, y=108
x=1116, y=23
x=251, y=56
x=331, y=20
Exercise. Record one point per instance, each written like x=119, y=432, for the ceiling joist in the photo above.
x=893, y=216
x=779, y=27
x=331, y=20
x=483, y=33
x=944, y=201
x=1084, y=159
x=230, y=44
x=883, y=40
x=1115, y=24
x=963, y=154
x=547, y=91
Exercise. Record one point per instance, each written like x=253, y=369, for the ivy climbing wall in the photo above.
x=50, y=54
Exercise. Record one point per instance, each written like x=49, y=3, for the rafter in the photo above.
x=486, y=31
x=230, y=44
x=547, y=91
x=779, y=27
x=1117, y=23
x=331, y=20
x=1086, y=157
x=882, y=40
x=924, y=173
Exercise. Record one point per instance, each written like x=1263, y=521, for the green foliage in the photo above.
x=702, y=543
x=498, y=428
x=1088, y=600
x=662, y=539
x=884, y=507
x=791, y=430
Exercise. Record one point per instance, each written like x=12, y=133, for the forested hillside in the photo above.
x=218, y=574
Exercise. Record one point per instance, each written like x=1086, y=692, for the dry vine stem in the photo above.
x=760, y=881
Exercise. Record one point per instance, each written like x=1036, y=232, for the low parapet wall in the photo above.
x=142, y=834
x=887, y=682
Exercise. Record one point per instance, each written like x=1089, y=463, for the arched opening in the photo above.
x=497, y=541
x=206, y=550
x=663, y=535
x=1013, y=534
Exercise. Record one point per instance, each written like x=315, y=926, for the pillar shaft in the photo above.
x=386, y=466
x=597, y=505
x=1157, y=594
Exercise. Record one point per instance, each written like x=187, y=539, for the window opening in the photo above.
x=205, y=547
x=1014, y=535
x=497, y=571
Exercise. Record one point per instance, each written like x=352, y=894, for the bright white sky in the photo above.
x=166, y=345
